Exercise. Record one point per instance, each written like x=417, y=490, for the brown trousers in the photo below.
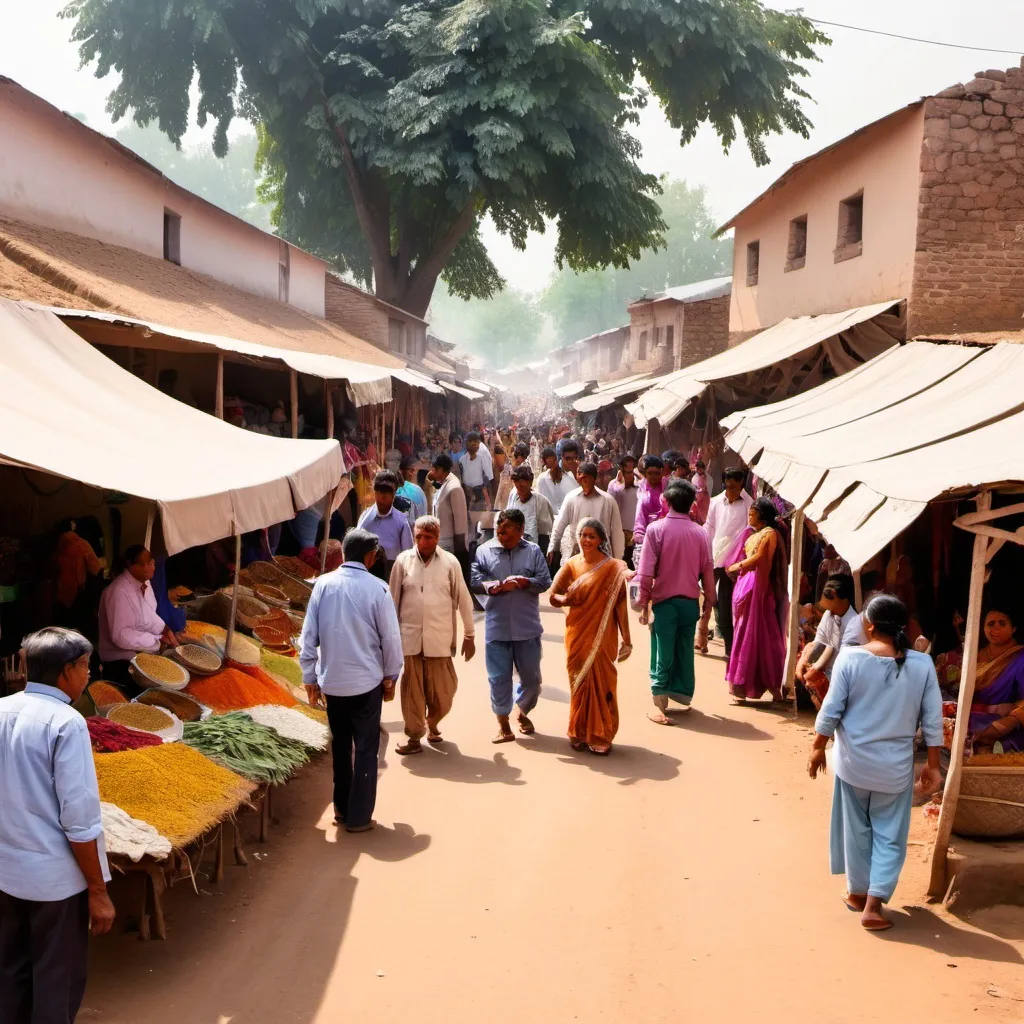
x=428, y=689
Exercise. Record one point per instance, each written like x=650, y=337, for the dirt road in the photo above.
x=684, y=878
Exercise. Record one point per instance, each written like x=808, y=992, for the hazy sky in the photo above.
x=860, y=78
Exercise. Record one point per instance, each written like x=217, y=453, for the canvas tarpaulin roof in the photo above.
x=68, y=410
x=789, y=338
x=416, y=379
x=458, y=389
x=610, y=393
x=367, y=384
x=575, y=388
x=864, y=454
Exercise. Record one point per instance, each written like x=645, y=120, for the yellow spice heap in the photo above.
x=163, y=670
x=181, y=793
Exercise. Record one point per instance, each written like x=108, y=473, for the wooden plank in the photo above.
x=293, y=396
x=971, y=518
x=329, y=399
x=218, y=398
x=793, y=634
x=858, y=592
x=939, y=883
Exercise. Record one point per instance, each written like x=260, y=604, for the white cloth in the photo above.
x=726, y=521
x=556, y=493
x=429, y=596
x=831, y=631
x=128, y=619
x=132, y=838
x=576, y=507
x=479, y=471
x=537, y=510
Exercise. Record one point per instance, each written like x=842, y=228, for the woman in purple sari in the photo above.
x=759, y=606
x=997, y=710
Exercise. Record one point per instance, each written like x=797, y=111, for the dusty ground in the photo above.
x=685, y=878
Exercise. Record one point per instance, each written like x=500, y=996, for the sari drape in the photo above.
x=758, y=655
x=999, y=688
x=592, y=645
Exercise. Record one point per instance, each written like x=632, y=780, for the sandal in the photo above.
x=412, y=747
x=504, y=737
x=526, y=727
x=600, y=751
x=577, y=745
x=435, y=737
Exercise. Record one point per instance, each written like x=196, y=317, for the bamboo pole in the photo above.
x=234, y=593
x=293, y=395
x=150, y=520
x=218, y=398
x=329, y=398
x=796, y=558
x=939, y=883
x=328, y=509
x=858, y=592
x=394, y=423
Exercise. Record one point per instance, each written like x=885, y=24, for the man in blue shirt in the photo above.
x=512, y=572
x=412, y=490
x=351, y=654
x=53, y=868
x=385, y=522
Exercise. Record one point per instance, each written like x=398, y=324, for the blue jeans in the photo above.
x=501, y=656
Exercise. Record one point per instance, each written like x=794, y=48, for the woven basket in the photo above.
x=269, y=594
x=991, y=803
x=147, y=680
x=198, y=659
x=296, y=591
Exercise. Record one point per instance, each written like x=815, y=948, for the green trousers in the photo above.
x=672, y=631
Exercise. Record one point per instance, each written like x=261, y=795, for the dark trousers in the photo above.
x=355, y=730
x=723, y=610
x=43, y=959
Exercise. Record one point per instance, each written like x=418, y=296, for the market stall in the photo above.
x=864, y=456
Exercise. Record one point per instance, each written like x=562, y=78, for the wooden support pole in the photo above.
x=858, y=592
x=938, y=883
x=796, y=559
x=293, y=396
x=150, y=520
x=329, y=399
x=328, y=509
x=394, y=423
x=218, y=398
x=234, y=594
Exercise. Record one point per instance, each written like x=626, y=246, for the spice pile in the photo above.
x=177, y=703
x=317, y=714
x=291, y=724
x=140, y=716
x=288, y=668
x=160, y=670
x=233, y=689
x=246, y=747
x=104, y=693
x=108, y=737
x=129, y=837
x=1012, y=759
x=200, y=629
x=172, y=787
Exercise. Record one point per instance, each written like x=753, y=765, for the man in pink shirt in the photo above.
x=648, y=505
x=675, y=566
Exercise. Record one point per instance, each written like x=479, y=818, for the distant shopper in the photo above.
x=412, y=490
x=384, y=521
x=554, y=483
x=430, y=595
x=727, y=519
x=648, y=507
x=351, y=655
x=512, y=572
x=879, y=695
x=536, y=509
x=450, y=508
x=53, y=868
x=624, y=490
x=585, y=502
x=817, y=659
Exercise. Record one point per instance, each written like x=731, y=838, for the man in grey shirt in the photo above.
x=53, y=868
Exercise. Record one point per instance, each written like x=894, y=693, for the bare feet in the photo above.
x=505, y=733
x=658, y=715
x=409, y=747
x=526, y=727
x=873, y=920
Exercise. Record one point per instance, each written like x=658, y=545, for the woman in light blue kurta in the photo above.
x=879, y=695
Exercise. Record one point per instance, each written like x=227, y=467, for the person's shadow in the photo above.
x=446, y=761
x=696, y=720
x=919, y=926
x=626, y=763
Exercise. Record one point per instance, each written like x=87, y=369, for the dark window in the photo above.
x=796, y=252
x=850, y=237
x=172, y=237
x=670, y=337
x=641, y=349
x=753, y=262
x=395, y=335
x=284, y=271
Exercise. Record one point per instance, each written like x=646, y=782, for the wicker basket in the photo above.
x=991, y=803
x=147, y=680
x=198, y=659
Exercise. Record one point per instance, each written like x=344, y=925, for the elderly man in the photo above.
x=585, y=502
x=384, y=521
x=674, y=567
x=351, y=654
x=53, y=869
x=429, y=593
x=513, y=573
x=128, y=620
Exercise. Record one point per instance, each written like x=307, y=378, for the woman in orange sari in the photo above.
x=592, y=585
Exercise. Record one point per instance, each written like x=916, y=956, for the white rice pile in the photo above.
x=291, y=724
x=130, y=837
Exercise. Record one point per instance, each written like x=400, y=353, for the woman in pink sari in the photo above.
x=759, y=606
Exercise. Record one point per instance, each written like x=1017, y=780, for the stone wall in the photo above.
x=969, y=264
x=705, y=330
x=356, y=311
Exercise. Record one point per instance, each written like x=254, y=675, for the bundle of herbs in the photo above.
x=244, y=746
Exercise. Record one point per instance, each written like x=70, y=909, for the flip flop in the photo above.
x=436, y=738
x=600, y=753
x=504, y=737
x=526, y=727
x=577, y=745
x=407, y=749
x=665, y=720
x=881, y=926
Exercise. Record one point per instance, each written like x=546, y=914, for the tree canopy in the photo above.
x=583, y=304
x=390, y=128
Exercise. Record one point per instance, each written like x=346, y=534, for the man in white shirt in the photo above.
x=558, y=481
x=430, y=594
x=814, y=669
x=128, y=620
x=727, y=519
x=583, y=503
x=536, y=509
x=53, y=868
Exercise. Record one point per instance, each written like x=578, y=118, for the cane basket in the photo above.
x=991, y=802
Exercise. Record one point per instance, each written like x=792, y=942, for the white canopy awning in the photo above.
x=367, y=384
x=864, y=454
x=792, y=337
x=573, y=389
x=610, y=392
x=67, y=409
x=479, y=385
x=416, y=379
x=457, y=389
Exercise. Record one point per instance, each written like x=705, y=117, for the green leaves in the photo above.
x=396, y=124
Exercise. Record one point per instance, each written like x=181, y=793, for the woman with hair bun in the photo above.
x=880, y=693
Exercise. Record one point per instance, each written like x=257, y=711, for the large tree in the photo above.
x=392, y=127
x=596, y=300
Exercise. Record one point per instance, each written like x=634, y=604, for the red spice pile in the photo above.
x=235, y=688
x=110, y=738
